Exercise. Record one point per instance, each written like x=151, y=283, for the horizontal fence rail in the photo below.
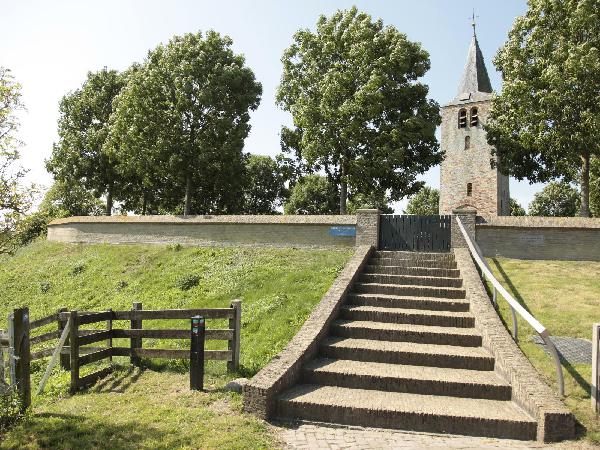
x=515, y=306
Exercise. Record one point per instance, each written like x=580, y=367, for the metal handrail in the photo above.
x=514, y=305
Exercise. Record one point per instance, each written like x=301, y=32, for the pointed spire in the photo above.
x=475, y=77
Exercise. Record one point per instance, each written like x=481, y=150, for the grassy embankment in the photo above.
x=564, y=296
x=154, y=408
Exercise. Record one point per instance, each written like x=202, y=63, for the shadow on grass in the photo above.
x=119, y=381
x=66, y=431
x=513, y=289
x=582, y=382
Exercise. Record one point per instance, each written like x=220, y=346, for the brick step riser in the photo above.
x=410, y=385
x=414, y=255
x=416, y=271
x=408, y=303
x=386, y=262
x=407, y=420
x=415, y=319
x=407, y=336
x=410, y=280
x=413, y=359
x=422, y=291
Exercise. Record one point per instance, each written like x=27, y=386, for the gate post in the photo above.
x=22, y=356
x=367, y=227
x=467, y=215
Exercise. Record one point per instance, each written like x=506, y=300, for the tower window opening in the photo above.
x=462, y=118
x=474, y=117
x=467, y=142
x=469, y=189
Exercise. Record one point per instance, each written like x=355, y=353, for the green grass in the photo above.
x=278, y=289
x=564, y=297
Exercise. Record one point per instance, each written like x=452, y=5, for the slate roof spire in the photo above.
x=475, y=76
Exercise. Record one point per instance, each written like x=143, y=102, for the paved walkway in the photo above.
x=330, y=437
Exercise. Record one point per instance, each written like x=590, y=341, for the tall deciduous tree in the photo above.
x=180, y=123
x=516, y=209
x=426, y=202
x=15, y=198
x=359, y=110
x=595, y=187
x=557, y=199
x=264, y=187
x=546, y=122
x=312, y=194
x=83, y=125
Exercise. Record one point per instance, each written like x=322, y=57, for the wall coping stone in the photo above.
x=555, y=421
x=541, y=222
x=284, y=370
x=214, y=219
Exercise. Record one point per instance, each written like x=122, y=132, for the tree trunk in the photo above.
x=144, y=203
x=188, y=195
x=343, y=189
x=109, y=201
x=585, y=185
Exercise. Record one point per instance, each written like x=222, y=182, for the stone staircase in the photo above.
x=404, y=353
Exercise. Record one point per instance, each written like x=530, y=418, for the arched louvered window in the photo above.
x=462, y=118
x=474, y=117
x=467, y=142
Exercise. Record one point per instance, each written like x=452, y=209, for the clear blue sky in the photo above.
x=51, y=45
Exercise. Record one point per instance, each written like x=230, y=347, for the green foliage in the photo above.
x=360, y=113
x=15, y=198
x=546, y=122
x=557, y=199
x=69, y=198
x=79, y=157
x=180, y=124
x=264, y=188
x=10, y=409
x=187, y=282
x=376, y=200
x=595, y=187
x=516, y=209
x=312, y=194
x=426, y=202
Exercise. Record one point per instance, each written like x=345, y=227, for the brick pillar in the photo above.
x=367, y=227
x=467, y=215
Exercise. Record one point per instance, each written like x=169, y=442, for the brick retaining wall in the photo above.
x=560, y=238
x=281, y=231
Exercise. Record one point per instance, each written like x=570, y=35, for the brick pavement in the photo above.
x=309, y=435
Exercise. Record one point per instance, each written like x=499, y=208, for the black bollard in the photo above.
x=197, y=354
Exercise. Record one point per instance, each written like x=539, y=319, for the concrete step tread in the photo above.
x=405, y=276
x=414, y=255
x=406, y=311
x=366, y=324
x=411, y=286
x=385, y=270
x=392, y=297
x=343, y=367
x=402, y=402
x=412, y=347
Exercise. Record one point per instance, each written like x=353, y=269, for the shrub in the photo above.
x=10, y=409
x=187, y=282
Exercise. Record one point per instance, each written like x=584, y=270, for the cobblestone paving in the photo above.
x=332, y=437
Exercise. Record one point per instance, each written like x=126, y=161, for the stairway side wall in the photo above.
x=555, y=421
x=284, y=370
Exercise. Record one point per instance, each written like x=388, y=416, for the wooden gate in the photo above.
x=415, y=233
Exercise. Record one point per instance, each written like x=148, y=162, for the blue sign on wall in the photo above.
x=342, y=231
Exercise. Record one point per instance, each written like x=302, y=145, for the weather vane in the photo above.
x=473, y=23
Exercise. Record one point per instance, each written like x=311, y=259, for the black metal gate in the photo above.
x=415, y=233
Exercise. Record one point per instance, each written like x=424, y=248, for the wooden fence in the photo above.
x=81, y=347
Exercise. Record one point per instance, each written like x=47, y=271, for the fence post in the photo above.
x=136, y=324
x=595, y=394
x=109, y=325
x=235, y=323
x=198, y=331
x=22, y=355
x=74, y=347
x=64, y=359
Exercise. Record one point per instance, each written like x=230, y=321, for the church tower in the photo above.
x=467, y=177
